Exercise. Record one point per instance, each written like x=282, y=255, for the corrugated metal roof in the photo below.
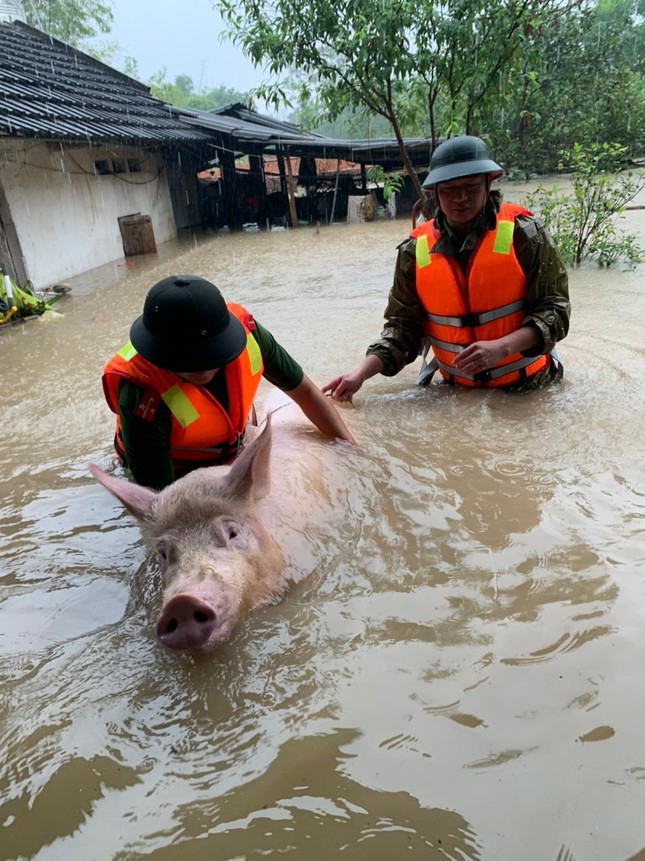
x=49, y=89
x=240, y=130
x=251, y=132
x=241, y=112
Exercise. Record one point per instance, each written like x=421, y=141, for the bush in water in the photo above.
x=583, y=224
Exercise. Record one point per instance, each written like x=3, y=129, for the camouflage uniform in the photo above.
x=146, y=442
x=547, y=291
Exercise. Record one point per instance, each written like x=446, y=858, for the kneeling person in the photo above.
x=481, y=285
x=183, y=387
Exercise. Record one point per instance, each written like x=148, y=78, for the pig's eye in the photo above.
x=164, y=551
x=233, y=534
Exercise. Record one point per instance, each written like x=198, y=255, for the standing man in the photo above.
x=481, y=284
x=183, y=387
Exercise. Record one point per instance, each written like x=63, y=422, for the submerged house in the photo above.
x=279, y=157
x=84, y=151
x=93, y=167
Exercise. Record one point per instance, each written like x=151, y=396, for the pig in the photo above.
x=217, y=557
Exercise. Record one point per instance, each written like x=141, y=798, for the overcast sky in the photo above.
x=183, y=37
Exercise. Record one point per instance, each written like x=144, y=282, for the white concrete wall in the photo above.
x=65, y=216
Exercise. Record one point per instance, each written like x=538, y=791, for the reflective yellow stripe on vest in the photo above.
x=127, y=352
x=504, y=237
x=180, y=406
x=422, y=251
x=255, y=354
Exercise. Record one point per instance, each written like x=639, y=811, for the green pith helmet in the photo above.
x=463, y=155
x=186, y=326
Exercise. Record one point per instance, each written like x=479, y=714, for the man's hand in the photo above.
x=344, y=388
x=480, y=356
x=320, y=411
x=484, y=355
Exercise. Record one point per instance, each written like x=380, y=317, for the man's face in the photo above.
x=198, y=378
x=461, y=200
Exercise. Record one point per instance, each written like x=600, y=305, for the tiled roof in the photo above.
x=49, y=89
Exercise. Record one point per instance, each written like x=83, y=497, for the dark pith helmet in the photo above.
x=186, y=326
x=463, y=155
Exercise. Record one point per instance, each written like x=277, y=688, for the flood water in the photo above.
x=458, y=676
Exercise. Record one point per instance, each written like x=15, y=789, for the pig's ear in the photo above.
x=138, y=500
x=250, y=475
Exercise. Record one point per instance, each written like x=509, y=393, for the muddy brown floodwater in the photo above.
x=457, y=674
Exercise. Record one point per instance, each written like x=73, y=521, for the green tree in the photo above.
x=71, y=21
x=375, y=55
x=582, y=81
x=584, y=224
x=182, y=93
x=390, y=182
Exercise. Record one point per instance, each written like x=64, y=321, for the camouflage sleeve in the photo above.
x=400, y=340
x=280, y=368
x=146, y=441
x=547, y=289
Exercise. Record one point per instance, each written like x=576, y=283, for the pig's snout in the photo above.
x=186, y=622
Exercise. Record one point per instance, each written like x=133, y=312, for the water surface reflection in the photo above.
x=457, y=673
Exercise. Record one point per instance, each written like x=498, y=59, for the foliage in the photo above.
x=389, y=58
x=390, y=182
x=530, y=77
x=71, y=21
x=583, y=224
x=583, y=82
x=442, y=59
x=351, y=123
x=182, y=93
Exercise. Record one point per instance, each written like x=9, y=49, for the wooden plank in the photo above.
x=290, y=191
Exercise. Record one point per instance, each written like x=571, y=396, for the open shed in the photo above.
x=277, y=159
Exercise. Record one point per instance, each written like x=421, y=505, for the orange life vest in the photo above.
x=202, y=430
x=485, y=303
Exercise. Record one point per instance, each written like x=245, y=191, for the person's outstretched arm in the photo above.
x=344, y=388
x=320, y=410
x=401, y=338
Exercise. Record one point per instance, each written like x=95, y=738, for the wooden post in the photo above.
x=281, y=171
x=229, y=200
x=256, y=163
x=11, y=257
x=290, y=192
x=333, y=203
